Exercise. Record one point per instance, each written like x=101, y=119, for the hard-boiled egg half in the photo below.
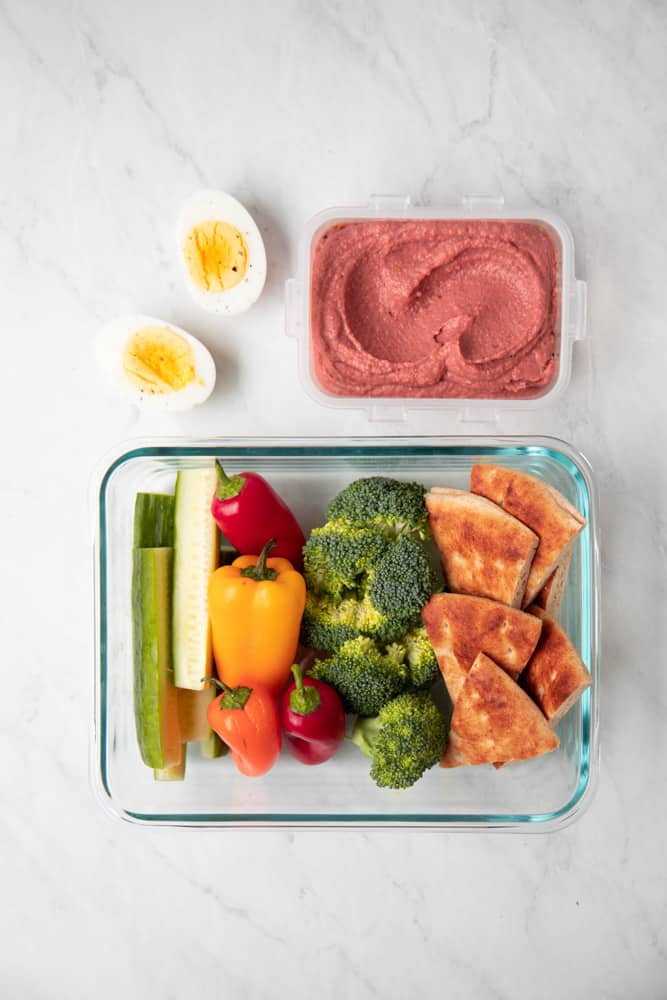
x=155, y=364
x=222, y=252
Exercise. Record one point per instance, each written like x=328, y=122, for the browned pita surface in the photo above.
x=555, y=676
x=460, y=626
x=539, y=506
x=494, y=721
x=550, y=597
x=484, y=550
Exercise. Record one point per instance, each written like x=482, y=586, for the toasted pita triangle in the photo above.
x=494, y=721
x=460, y=627
x=555, y=676
x=537, y=505
x=484, y=550
x=550, y=596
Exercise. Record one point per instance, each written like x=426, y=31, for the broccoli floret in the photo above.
x=390, y=506
x=364, y=676
x=401, y=582
x=406, y=738
x=365, y=571
x=329, y=622
x=382, y=628
x=420, y=658
x=391, y=581
x=338, y=555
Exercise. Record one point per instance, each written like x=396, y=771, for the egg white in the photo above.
x=206, y=206
x=110, y=346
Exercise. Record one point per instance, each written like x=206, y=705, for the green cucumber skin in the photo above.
x=194, y=492
x=213, y=747
x=153, y=521
x=154, y=709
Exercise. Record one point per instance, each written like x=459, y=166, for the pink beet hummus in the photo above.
x=433, y=308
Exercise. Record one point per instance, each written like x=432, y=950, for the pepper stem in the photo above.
x=260, y=571
x=232, y=697
x=228, y=486
x=303, y=700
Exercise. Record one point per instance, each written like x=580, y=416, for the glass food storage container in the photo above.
x=540, y=794
x=482, y=288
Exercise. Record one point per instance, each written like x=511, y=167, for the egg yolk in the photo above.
x=157, y=360
x=216, y=255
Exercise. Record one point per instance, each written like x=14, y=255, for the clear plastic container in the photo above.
x=540, y=794
x=571, y=302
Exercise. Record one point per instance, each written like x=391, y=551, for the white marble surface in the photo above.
x=111, y=113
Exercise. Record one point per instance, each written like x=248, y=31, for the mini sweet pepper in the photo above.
x=247, y=510
x=255, y=606
x=313, y=718
x=246, y=719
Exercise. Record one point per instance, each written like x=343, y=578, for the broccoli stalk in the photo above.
x=405, y=739
x=365, y=733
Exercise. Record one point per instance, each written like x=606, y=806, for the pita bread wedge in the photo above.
x=460, y=627
x=539, y=506
x=551, y=594
x=494, y=721
x=555, y=676
x=485, y=551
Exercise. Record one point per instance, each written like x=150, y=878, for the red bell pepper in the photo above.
x=248, y=511
x=313, y=719
x=246, y=719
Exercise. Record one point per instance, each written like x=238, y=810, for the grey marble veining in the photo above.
x=111, y=115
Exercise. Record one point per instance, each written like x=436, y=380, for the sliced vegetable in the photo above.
x=155, y=704
x=256, y=606
x=313, y=719
x=192, y=708
x=247, y=720
x=212, y=747
x=175, y=773
x=195, y=557
x=248, y=511
x=153, y=521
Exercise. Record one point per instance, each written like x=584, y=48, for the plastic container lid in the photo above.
x=571, y=302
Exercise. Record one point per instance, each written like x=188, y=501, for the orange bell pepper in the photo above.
x=255, y=607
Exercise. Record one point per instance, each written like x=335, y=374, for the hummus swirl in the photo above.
x=434, y=308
